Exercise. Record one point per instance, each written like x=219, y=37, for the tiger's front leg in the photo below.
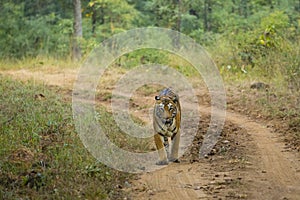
x=175, y=148
x=159, y=142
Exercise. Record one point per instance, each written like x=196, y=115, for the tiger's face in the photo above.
x=166, y=115
x=166, y=111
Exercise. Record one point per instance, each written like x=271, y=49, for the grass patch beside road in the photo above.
x=41, y=155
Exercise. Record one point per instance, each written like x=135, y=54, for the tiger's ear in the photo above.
x=157, y=98
x=175, y=98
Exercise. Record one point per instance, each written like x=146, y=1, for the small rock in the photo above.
x=142, y=168
x=212, y=182
x=225, y=141
x=263, y=171
x=188, y=186
x=242, y=196
x=228, y=179
x=127, y=184
x=213, y=152
x=219, y=187
x=259, y=86
x=198, y=188
x=119, y=186
x=151, y=192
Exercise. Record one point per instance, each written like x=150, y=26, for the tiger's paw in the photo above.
x=174, y=160
x=162, y=162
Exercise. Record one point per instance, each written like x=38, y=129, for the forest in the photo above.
x=238, y=33
x=255, y=45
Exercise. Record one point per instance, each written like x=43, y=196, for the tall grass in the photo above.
x=41, y=156
x=37, y=63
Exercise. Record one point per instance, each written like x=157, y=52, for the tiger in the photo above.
x=166, y=124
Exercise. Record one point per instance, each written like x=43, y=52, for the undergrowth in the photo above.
x=37, y=63
x=274, y=104
x=41, y=156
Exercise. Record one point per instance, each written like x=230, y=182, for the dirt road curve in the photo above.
x=280, y=177
x=268, y=172
x=273, y=173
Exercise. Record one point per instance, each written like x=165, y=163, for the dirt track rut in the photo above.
x=277, y=173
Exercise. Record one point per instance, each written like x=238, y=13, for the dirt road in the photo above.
x=250, y=161
x=259, y=168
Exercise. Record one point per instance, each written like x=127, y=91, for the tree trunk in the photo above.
x=178, y=25
x=179, y=16
x=94, y=20
x=207, y=12
x=205, y=17
x=77, y=30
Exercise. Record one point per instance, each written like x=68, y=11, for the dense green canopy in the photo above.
x=31, y=27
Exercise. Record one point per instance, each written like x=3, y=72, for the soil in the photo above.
x=250, y=160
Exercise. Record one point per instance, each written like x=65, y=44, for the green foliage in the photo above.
x=240, y=33
x=274, y=27
x=109, y=17
x=28, y=37
x=269, y=45
x=143, y=56
x=164, y=13
x=291, y=66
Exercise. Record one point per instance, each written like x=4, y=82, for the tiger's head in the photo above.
x=165, y=109
x=166, y=114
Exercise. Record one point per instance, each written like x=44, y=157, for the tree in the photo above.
x=206, y=15
x=109, y=17
x=77, y=30
x=164, y=13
